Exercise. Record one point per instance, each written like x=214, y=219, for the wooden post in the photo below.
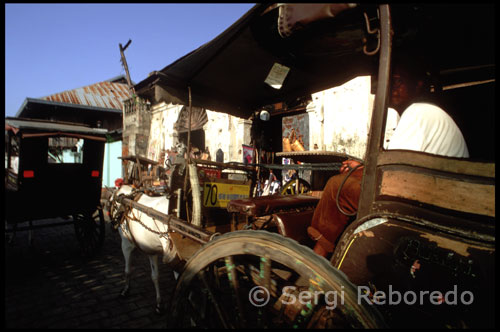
x=189, y=124
x=188, y=146
x=368, y=184
x=124, y=62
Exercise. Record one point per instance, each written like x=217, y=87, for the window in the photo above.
x=65, y=150
x=12, y=153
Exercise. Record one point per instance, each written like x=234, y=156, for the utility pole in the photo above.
x=124, y=63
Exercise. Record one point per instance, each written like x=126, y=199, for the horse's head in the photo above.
x=113, y=205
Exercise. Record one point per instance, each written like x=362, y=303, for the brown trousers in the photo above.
x=327, y=218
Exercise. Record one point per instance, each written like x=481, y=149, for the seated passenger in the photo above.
x=422, y=127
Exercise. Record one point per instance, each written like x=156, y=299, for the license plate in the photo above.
x=217, y=194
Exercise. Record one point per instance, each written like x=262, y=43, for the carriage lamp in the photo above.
x=264, y=115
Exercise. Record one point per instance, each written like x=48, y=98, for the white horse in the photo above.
x=138, y=230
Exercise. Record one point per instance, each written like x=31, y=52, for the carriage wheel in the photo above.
x=256, y=278
x=90, y=230
x=295, y=187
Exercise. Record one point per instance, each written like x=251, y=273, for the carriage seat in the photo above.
x=266, y=205
x=297, y=225
x=294, y=225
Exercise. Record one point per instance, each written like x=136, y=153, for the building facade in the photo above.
x=217, y=131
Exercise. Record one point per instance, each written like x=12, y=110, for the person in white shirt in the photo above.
x=422, y=126
x=426, y=127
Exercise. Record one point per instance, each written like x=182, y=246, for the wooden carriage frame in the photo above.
x=422, y=219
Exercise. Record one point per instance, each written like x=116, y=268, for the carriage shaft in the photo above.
x=176, y=224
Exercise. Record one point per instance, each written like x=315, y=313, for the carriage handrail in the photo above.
x=315, y=167
x=142, y=160
x=231, y=165
x=333, y=166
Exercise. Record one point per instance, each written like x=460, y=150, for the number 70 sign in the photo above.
x=217, y=194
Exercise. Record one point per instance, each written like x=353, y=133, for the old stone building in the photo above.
x=339, y=118
x=136, y=126
x=209, y=131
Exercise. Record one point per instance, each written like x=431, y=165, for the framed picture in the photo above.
x=248, y=153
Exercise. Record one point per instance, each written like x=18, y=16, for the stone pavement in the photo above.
x=48, y=285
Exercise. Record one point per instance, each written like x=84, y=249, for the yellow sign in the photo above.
x=219, y=194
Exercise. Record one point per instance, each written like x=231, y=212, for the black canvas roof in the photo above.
x=228, y=74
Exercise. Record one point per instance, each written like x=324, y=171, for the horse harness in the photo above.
x=125, y=217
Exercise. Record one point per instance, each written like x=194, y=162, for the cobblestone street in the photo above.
x=48, y=285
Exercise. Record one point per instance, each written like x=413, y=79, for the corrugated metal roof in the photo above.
x=104, y=94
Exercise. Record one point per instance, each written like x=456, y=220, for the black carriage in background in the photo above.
x=53, y=170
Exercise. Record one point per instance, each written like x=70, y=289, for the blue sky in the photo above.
x=51, y=48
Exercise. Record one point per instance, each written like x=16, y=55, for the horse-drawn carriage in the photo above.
x=53, y=170
x=419, y=252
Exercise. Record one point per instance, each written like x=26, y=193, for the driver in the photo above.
x=423, y=126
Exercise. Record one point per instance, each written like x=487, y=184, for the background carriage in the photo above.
x=405, y=237
x=54, y=171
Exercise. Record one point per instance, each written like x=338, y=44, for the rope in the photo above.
x=340, y=189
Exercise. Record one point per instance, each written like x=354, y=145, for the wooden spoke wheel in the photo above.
x=295, y=187
x=90, y=231
x=246, y=279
